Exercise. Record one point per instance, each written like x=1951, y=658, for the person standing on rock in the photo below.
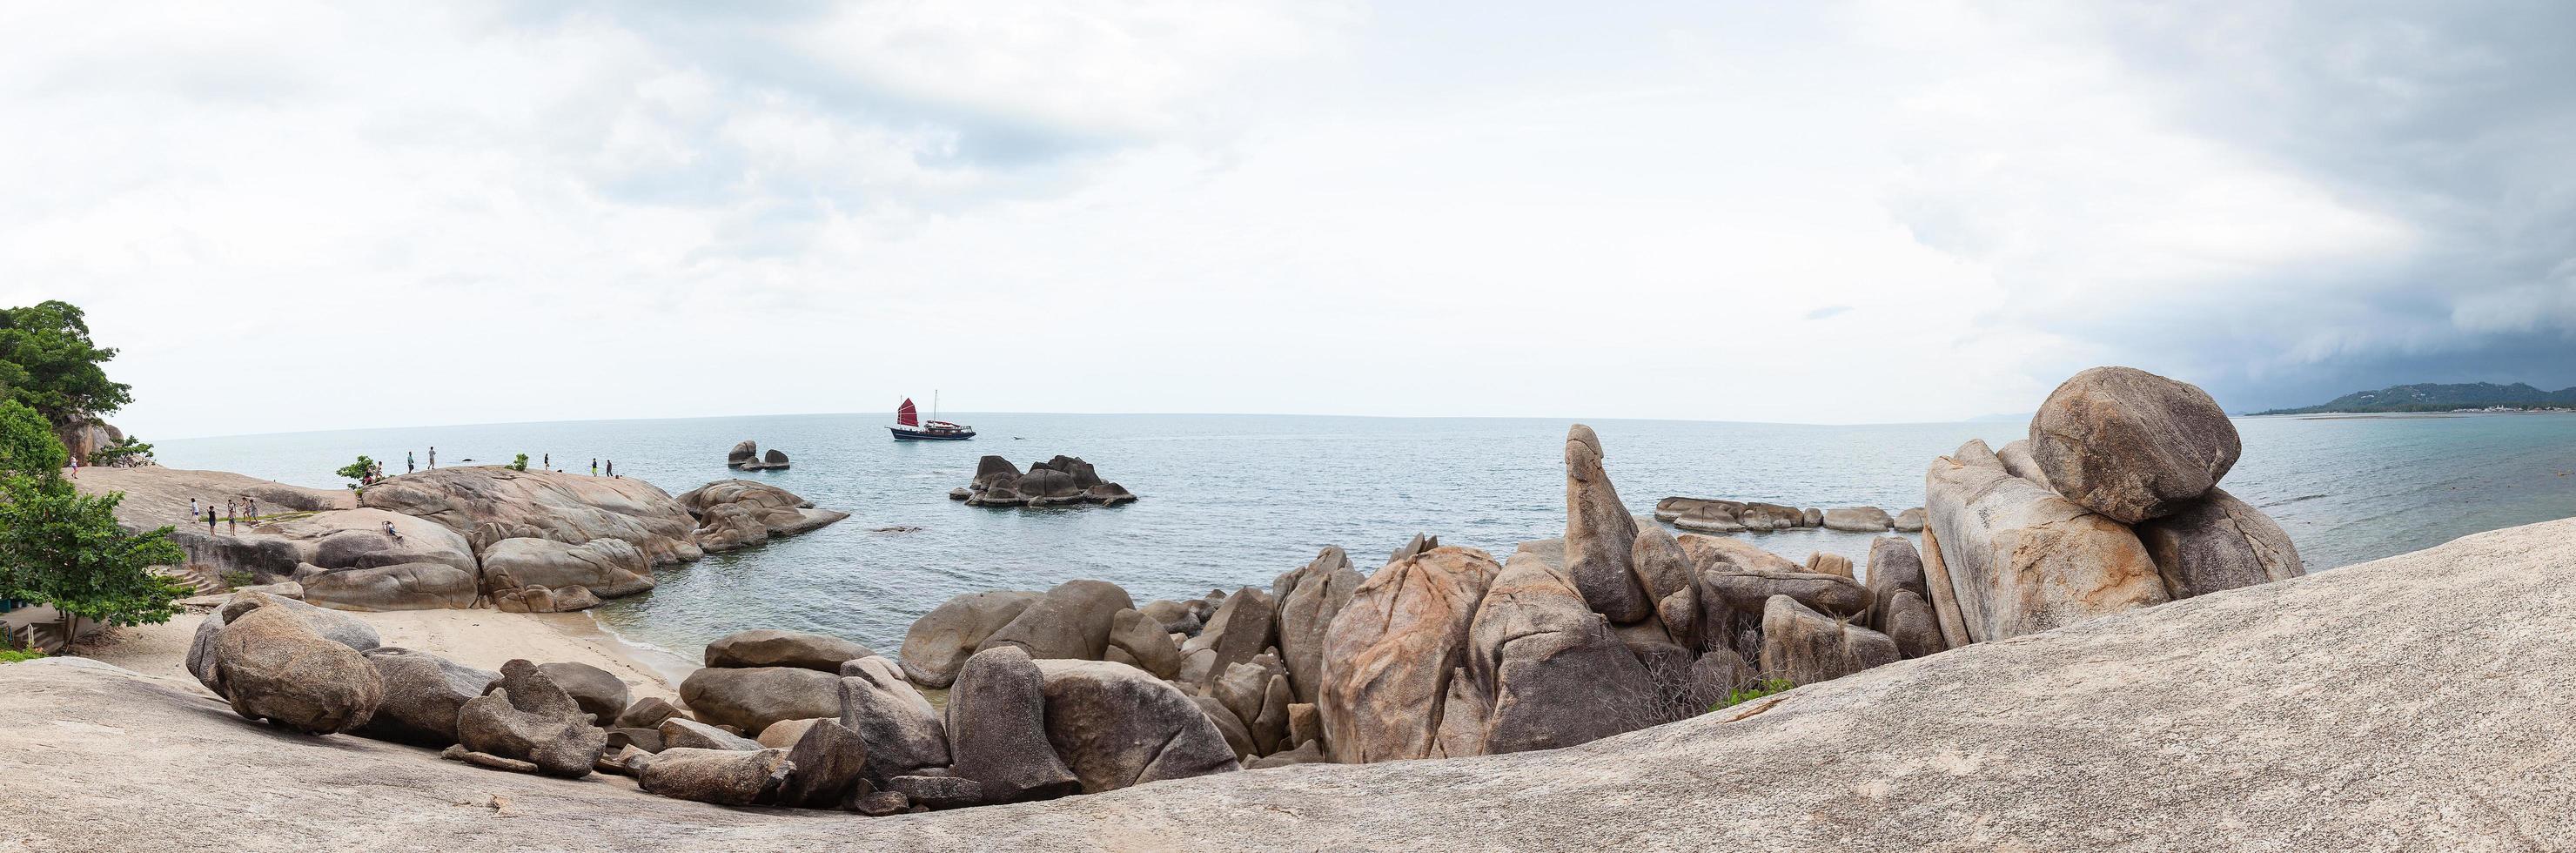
x=253, y=504
x=547, y=462
x=192, y=509
x=594, y=466
x=76, y=466
x=409, y=465
x=231, y=521
x=433, y=457
x=210, y=519
x=612, y=469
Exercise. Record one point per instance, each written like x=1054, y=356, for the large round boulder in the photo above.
x=940, y=641
x=525, y=573
x=2131, y=445
x=1116, y=726
x=272, y=667
x=335, y=626
x=751, y=699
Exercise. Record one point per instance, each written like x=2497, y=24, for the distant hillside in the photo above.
x=2435, y=397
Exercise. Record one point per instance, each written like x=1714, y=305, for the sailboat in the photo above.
x=908, y=425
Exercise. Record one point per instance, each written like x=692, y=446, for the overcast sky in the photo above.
x=297, y=217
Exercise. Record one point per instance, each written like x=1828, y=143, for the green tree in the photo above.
x=358, y=470
x=519, y=464
x=64, y=548
x=28, y=447
x=48, y=361
x=126, y=451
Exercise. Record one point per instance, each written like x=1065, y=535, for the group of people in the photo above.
x=235, y=509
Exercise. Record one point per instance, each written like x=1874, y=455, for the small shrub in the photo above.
x=125, y=452
x=238, y=579
x=519, y=464
x=1756, y=690
x=358, y=470
x=19, y=656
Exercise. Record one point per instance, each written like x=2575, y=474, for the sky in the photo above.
x=319, y=216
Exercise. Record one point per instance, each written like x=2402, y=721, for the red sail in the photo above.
x=906, y=414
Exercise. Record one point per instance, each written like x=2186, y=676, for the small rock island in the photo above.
x=1061, y=480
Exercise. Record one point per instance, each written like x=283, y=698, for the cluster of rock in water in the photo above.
x=747, y=457
x=2111, y=504
x=1057, y=481
x=521, y=541
x=1714, y=515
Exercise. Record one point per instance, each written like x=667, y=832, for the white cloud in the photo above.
x=312, y=216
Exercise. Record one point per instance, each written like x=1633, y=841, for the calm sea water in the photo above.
x=1232, y=500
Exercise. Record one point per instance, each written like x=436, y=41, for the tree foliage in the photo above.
x=28, y=447
x=65, y=548
x=48, y=361
x=358, y=470
x=126, y=451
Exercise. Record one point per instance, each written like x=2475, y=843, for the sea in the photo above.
x=1234, y=500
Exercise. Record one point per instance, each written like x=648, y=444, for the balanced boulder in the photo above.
x=2131, y=445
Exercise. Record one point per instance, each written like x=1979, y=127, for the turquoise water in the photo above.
x=1231, y=500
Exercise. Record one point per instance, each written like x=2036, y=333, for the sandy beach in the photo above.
x=479, y=638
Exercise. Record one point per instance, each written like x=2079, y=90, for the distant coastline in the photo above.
x=2438, y=398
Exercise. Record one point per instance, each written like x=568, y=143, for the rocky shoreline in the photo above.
x=1443, y=652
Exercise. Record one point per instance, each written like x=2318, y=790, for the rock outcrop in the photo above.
x=751, y=699
x=2218, y=543
x=1858, y=519
x=2014, y=732
x=527, y=575
x=769, y=647
x=1389, y=655
x=746, y=456
x=272, y=667
x=490, y=503
x=2022, y=560
x=939, y=642
x=771, y=511
x=997, y=729
x=2131, y=445
x=1555, y=673
x=1599, y=533
x=1117, y=727
x=1057, y=481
